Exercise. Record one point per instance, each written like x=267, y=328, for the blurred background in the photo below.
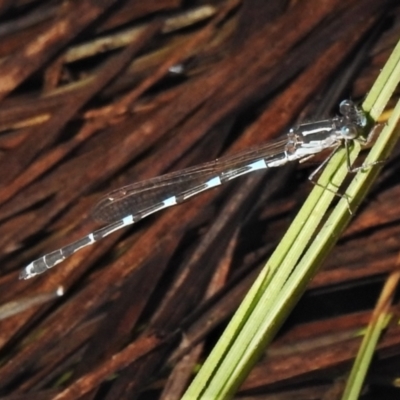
x=101, y=94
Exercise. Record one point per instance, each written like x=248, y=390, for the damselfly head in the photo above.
x=353, y=114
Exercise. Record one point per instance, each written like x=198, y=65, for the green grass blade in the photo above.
x=379, y=321
x=296, y=260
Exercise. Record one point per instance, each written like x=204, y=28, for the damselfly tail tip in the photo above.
x=27, y=272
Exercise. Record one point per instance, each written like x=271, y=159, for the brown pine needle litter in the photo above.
x=101, y=94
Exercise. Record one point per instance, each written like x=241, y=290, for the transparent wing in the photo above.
x=141, y=196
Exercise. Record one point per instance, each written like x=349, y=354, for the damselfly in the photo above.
x=131, y=203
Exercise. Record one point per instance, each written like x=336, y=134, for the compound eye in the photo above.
x=346, y=107
x=349, y=132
